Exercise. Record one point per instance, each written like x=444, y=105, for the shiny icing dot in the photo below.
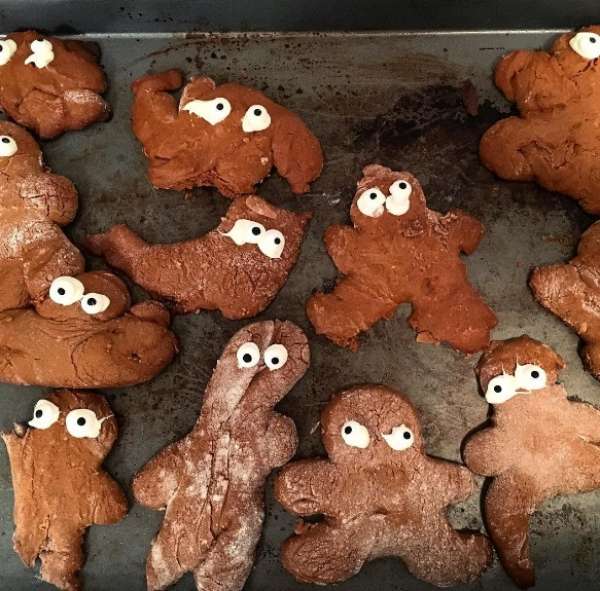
x=247, y=357
x=277, y=241
x=275, y=360
x=81, y=421
x=535, y=374
x=498, y=389
x=5, y=140
x=256, y=230
x=39, y=413
x=406, y=435
x=220, y=106
x=373, y=195
x=61, y=291
x=92, y=301
x=348, y=430
x=257, y=112
x=592, y=40
x=402, y=185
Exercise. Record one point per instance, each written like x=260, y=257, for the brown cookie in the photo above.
x=59, y=485
x=227, y=136
x=34, y=204
x=84, y=335
x=554, y=141
x=237, y=268
x=50, y=85
x=399, y=251
x=211, y=483
x=538, y=444
x=380, y=495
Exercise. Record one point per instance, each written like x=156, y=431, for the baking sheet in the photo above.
x=391, y=98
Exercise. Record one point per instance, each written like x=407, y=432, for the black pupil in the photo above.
x=406, y=435
x=348, y=430
x=257, y=112
x=247, y=357
x=275, y=360
x=38, y=413
x=373, y=195
x=535, y=374
x=92, y=301
x=256, y=230
x=5, y=140
x=61, y=291
x=498, y=389
x=220, y=106
x=403, y=185
x=592, y=40
x=277, y=240
x=81, y=421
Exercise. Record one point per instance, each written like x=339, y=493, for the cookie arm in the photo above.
x=485, y=453
x=465, y=230
x=458, y=483
x=280, y=441
x=106, y=500
x=586, y=419
x=340, y=244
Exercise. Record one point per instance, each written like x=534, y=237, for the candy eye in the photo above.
x=42, y=53
x=83, y=422
x=66, y=290
x=245, y=232
x=248, y=355
x=371, y=202
x=398, y=203
x=530, y=377
x=355, y=435
x=45, y=414
x=94, y=303
x=275, y=357
x=7, y=50
x=400, y=438
x=587, y=45
x=271, y=244
x=213, y=111
x=8, y=146
x=257, y=118
x=501, y=388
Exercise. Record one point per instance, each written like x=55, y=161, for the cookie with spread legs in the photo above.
x=539, y=444
x=211, y=483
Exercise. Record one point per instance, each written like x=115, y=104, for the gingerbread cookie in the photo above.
x=50, y=85
x=84, y=335
x=400, y=251
x=554, y=140
x=211, y=483
x=237, y=268
x=227, y=136
x=34, y=204
x=59, y=485
x=379, y=495
x=539, y=444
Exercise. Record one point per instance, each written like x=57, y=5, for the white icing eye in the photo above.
x=530, y=377
x=245, y=232
x=248, y=355
x=398, y=203
x=275, y=357
x=501, y=388
x=371, y=202
x=7, y=50
x=587, y=45
x=400, y=438
x=213, y=111
x=94, y=303
x=271, y=244
x=257, y=118
x=66, y=290
x=45, y=414
x=83, y=422
x=42, y=53
x=8, y=146
x=355, y=435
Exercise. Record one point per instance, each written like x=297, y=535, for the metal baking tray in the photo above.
x=393, y=98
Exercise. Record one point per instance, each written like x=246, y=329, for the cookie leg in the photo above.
x=62, y=560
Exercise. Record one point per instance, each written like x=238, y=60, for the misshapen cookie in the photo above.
x=59, y=485
x=380, y=495
x=211, y=483
x=555, y=140
x=34, y=204
x=227, y=136
x=539, y=445
x=50, y=85
x=400, y=251
x=237, y=268
x=85, y=334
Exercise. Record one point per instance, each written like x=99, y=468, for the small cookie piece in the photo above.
x=237, y=268
x=85, y=334
x=380, y=496
x=34, y=204
x=538, y=444
x=228, y=136
x=211, y=482
x=400, y=251
x=554, y=141
x=50, y=85
x=59, y=485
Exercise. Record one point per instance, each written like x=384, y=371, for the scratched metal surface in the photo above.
x=389, y=98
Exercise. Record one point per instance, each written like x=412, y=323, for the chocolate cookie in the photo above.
x=379, y=495
x=59, y=485
x=400, y=251
x=211, y=483
x=227, y=136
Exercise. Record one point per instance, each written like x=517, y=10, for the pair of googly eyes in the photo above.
x=354, y=434
x=41, y=55
x=68, y=290
x=269, y=242
x=526, y=378
x=8, y=146
x=373, y=202
x=214, y=111
x=587, y=45
x=80, y=423
x=275, y=356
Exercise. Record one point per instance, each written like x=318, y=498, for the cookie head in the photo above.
x=20, y=154
x=578, y=53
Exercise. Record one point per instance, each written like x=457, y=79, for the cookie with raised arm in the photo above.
x=380, y=495
x=537, y=445
x=211, y=483
x=59, y=485
x=398, y=251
